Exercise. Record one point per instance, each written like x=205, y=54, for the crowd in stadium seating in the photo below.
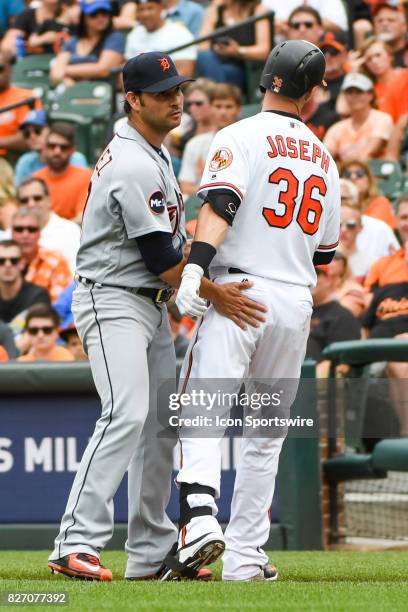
x=361, y=115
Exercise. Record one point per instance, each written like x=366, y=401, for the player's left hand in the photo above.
x=188, y=301
x=231, y=302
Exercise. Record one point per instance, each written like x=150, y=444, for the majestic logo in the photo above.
x=277, y=84
x=222, y=158
x=157, y=203
x=164, y=63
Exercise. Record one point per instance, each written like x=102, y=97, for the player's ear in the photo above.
x=133, y=99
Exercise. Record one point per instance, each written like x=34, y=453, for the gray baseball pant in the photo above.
x=130, y=350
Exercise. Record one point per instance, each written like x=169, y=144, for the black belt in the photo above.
x=158, y=296
x=236, y=271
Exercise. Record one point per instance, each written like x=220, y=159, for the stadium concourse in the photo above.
x=60, y=104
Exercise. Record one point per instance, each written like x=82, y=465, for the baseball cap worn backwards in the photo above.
x=92, y=6
x=357, y=81
x=152, y=72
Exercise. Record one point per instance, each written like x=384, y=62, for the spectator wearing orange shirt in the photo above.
x=67, y=184
x=364, y=135
x=11, y=138
x=370, y=202
x=41, y=326
x=377, y=62
x=45, y=268
x=395, y=101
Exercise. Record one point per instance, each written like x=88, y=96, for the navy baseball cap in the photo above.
x=35, y=117
x=152, y=72
x=92, y=6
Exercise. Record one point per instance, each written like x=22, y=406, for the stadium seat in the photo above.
x=390, y=177
x=249, y=109
x=32, y=72
x=192, y=206
x=253, y=72
x=89, y=106
x=351, y=466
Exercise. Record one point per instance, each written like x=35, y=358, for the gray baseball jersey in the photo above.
x=133, y=192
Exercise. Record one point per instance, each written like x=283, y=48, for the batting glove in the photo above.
x=188, y=301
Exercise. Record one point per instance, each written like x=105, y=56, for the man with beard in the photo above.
x=67, y=184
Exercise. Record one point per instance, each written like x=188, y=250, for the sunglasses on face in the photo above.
x=46, y=329
x=357, y=173
x=19, y=229
x=3, y=67
x=57, y=145
x=13, y=260
x=26, y=199
x=195, y=103
x=349, y=224
x=32, y=130
x=296, y=25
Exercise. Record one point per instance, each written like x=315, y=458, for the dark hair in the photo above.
x=126, y=107
x=221, y=91
x=64, y=129
x=305, y=9
x=33, y=179
x=43, y=311
x=9, y=243
x=82, y=32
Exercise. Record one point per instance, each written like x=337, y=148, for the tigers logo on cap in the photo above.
x=164, y=63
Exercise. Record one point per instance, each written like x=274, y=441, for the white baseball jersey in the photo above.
x=288, y=186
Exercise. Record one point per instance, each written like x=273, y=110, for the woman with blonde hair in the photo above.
x=377, y=63
x=7, y=195
x=370, y=201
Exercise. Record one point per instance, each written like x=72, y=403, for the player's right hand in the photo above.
x=231, y=302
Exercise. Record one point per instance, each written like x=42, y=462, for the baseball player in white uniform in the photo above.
x=131, y=254
x=270, y=214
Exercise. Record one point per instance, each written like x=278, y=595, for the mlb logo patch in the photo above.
x=157, y=203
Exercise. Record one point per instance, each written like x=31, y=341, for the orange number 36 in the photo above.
x=310, y=209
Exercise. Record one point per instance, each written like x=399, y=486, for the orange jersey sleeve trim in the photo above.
x=327, y=247
x=230, y=185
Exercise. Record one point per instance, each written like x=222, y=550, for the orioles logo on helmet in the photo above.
x=164, y=63
x=277, y=83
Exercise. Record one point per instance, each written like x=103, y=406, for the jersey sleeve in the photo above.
x=226, y=167
x=331, y=233
x=142, y=196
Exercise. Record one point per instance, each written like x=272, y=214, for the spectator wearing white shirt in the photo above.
x=332, y=12
x=57, y=234
x=376, y=239
x=155, y=33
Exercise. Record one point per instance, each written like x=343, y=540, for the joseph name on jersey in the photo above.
x=288, y=187
x=133, y=192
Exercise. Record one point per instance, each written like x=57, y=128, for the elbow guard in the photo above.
x=224, y=202
x=158, y=252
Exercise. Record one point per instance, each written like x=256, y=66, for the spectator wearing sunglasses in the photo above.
x=42, y=323
x=67, y=184
x=371, y=203
x=11, y=139
x=35, y=131
x=334, y=49
x=95, y=51
x=350, y=226
x=16, y=294
x=45, y=268
x=305, y=23
x=365, y=134
x=331, y=13
x=376, y=238
x=57, y=234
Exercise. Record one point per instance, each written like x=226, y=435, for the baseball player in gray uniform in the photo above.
x=131, y=254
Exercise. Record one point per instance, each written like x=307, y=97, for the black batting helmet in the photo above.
x=292, y=68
